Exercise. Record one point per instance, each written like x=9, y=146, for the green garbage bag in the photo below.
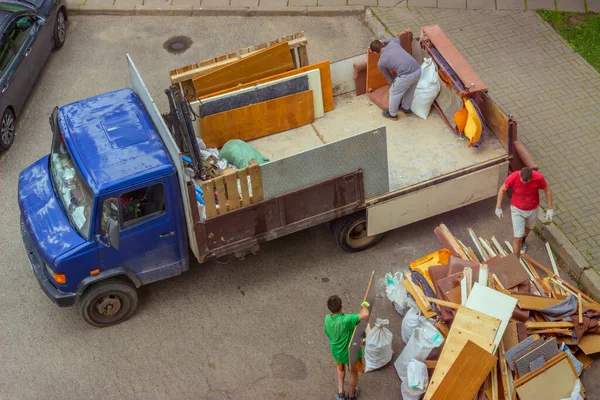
x=239, y=153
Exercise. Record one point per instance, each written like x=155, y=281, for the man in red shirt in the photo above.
x=524, y=204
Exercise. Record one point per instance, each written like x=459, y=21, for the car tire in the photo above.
x=108, y=302
x=7, y=129
x=60, y=29
x=351, y=233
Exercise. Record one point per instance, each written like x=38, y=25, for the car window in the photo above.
x=110, y=210
x=141, y=204
x=6, y=56
x=21, y=30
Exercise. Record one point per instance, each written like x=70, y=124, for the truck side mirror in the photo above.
x=114, y=236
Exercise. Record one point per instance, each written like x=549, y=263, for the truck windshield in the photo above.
x=72, y=190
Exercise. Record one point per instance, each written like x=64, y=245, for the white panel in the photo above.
x=139, y=87
x=314, y=84
x=433, y=200
x=494, y=304
x=342, y=74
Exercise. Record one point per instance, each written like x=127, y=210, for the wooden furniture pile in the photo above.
x=501, y=340
x=253, y=92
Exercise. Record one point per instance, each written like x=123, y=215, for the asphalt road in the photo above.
x=249, y=329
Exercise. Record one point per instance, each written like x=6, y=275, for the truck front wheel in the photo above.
x=108, y=302
x=351, y=233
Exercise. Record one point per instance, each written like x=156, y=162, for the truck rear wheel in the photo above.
x=108, y=302
x=351, y=233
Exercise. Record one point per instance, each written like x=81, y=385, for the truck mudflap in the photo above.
x=281, y=215
x=62, y=299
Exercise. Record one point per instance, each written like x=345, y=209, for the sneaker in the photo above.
x=406, y=112
x=524, y=248
x=356, y=394
x=340, y=396
x=387, y=115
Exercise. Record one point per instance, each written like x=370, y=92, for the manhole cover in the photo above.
x=177, y=44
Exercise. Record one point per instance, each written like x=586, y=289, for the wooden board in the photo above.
x=510, y=338
x=410, y=289
x=356, y=341
x=326, y=86
x=589, y=344
x=584, y=359
x=509, y=271
x=270, y=61
x=536, y=303
x=556, y=382
x=375, y=78
x=468, y=325
x=258, y=120
x=467, y=374
x=493, y=303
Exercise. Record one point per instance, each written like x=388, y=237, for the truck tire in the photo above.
x=108, y=302
x=351, y=233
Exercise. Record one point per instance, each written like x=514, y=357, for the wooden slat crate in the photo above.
x=228, y=190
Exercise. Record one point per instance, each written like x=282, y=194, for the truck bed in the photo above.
x=418, y=150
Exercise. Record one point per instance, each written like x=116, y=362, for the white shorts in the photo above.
x=522, y=219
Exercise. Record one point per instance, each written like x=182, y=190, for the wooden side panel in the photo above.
x=468, y=325
x=326, y=85
x=256, y=179
x=264, y=63
x=258, y=120
x=556, y=382
x=434, y=200
x=375, y=78
x=495, y=118
x=467, y=374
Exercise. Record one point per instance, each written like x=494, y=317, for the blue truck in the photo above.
x=111, y=208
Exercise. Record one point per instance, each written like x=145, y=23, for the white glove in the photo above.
x=549, y=214
x=499, y=213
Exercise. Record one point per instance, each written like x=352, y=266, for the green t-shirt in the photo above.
x=339, y=329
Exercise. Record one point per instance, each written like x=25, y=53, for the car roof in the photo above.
x=114, y=141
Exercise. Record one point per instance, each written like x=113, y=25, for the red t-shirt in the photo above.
x=525, y=195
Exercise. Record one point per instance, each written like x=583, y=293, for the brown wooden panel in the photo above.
x=326, y=86
x=467, y=374
x=258, y=120
x=495, y=118
x=375, y=78
x=262, y=64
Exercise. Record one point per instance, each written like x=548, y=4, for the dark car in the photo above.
x=30, y=29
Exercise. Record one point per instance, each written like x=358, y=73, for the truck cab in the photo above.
x=101, y=214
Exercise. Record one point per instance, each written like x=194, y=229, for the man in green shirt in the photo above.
x=339, y=328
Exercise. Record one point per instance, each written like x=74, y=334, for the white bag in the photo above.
x=378, y=347
x=424, y=339
x=576, y=393
x=412, y=320
x=417, y=380
x=427, y=89
x=396, y=292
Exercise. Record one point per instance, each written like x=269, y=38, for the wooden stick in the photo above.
x=499, y=286
x=453, y=241
x=551, y=274
x=444, y=303
x=504, y=372
x=495, y=382
x=498, y=247
x=560, y=331
x=483, y=275
x=482, y=252
x=548, y=325
x=537, y=278
x=580, y=306
x=487, y=247
x=418, y=291
x=552, y=260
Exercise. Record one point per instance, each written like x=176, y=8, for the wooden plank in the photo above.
x=430, y=364
x=589, y=344
x=255, y=182
x=555, y=382
x=510, y=338
x=468, y=325
x=326, y=85
x=455, y=246
x=472, y=362
x=584, y=359
x=221, y=195
x=264, y=63
x=494, y=375
x=356, y=340
x=493, y=303
x=536, y=303
x=410, y=289
x=303, y=56
x=418, y=291
x=258, y=120
x=209, y=199
x=242, y=175
x=233, y=196
x=375, y=78
x=506, y=383
x=580, y=308
x=561, y=331
x=444, y=303
x=548, y=325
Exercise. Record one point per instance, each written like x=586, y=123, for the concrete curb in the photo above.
x=577, y=266
x=227, y=11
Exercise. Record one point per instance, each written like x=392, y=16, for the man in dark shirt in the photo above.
x=395, y=58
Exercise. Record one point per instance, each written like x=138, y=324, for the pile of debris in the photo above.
x=488, y=325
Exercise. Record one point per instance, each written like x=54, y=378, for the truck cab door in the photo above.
x=148, y=236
